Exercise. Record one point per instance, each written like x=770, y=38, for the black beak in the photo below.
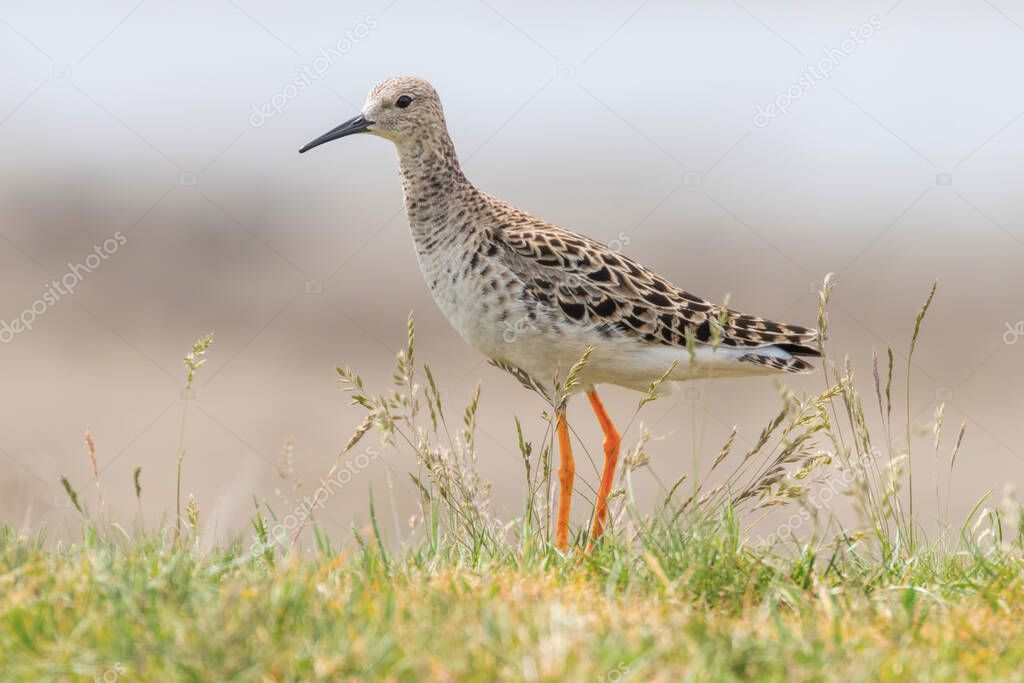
x=350, y=127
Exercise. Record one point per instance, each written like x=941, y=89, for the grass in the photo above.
x=682, y=591
x=696, y=606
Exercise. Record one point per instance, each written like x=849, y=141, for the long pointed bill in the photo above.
x=354, y=125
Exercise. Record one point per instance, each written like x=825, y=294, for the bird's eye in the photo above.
x=403, y=101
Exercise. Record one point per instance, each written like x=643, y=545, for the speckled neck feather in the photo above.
x=436, y=190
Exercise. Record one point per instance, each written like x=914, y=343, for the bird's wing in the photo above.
x=590, y=283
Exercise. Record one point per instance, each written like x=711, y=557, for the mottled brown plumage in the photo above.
x=591, y=284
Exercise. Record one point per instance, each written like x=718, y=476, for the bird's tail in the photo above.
x=782, y=363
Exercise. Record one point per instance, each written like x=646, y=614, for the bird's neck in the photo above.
x=437, y=193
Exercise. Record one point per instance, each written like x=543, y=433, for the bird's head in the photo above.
x=404, y=109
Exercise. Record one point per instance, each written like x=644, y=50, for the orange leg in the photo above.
x=566, y=473
x=611, y=457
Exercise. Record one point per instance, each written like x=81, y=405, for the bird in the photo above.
x=535, y=298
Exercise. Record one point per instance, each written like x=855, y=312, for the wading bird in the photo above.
x=493, y=268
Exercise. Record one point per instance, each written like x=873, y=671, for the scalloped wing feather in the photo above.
x=590, y=284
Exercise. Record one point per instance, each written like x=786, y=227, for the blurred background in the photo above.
x=743, y=148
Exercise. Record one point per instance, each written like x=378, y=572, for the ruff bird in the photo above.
x=534, y=298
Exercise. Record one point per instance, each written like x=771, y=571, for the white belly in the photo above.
x=495, y=321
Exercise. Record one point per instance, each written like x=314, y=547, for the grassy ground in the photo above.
x=680, y=592
x=689, y=607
